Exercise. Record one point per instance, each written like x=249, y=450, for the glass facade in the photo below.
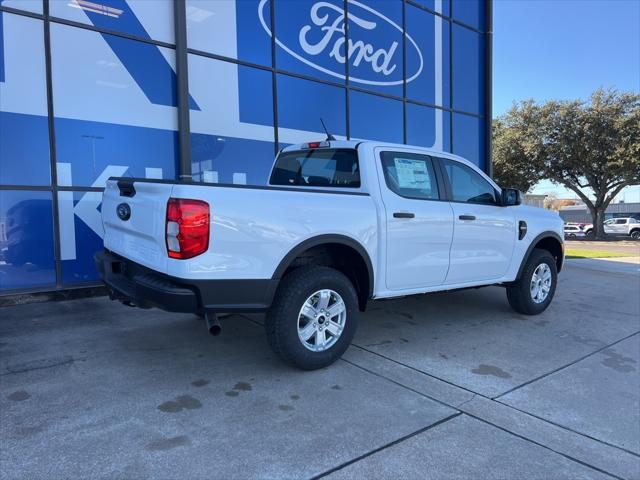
x=89, y=90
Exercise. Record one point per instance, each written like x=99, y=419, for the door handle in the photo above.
x=403, y=215
x=467, y=217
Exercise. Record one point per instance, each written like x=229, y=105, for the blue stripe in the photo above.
x=144, y=61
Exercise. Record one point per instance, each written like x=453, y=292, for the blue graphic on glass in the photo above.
x=301, y=104
x=256, y=95
x=26, y=240
x=375, y=118
x=310, y=38
x=421, y=26
x=131, y=52
x=24, y=149
x=90, y=147
x=80, y=269
x=218, y=159
x=422, y=123
x=1, y=49
x=468, y=70
x=469, y=139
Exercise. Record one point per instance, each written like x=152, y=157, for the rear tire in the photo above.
x=529, y=295
x=305, y=306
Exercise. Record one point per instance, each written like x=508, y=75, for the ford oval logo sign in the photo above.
x=321, y=37
x=124, y=211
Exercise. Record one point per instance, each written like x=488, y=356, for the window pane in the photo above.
x=143, y=18
x=26, y=240
x=310, y=37
x=231, y=28
x=81, y=235
x=440, y=6
x=468, y=70
x=24, y=130
x=232, y=131
x=428, y=127
x=114, y=101
x=470, y=12
x=29, y=5
x=468, y=138
x=223, y=159
x=375, y=118
x=467, y=185
x=318, y=168
x=302, y=103
x=431, y=58
x=375, y=36
x=410, y=175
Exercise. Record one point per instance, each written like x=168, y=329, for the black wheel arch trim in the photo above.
x=532, y=245
x=323, y=240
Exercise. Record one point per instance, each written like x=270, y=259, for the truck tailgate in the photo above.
x=141, y=236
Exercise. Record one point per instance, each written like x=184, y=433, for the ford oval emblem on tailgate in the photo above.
x=124, y=211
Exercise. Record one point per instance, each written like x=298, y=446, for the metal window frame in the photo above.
x=182, y=52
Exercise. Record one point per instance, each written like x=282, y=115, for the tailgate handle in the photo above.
x=126, y=188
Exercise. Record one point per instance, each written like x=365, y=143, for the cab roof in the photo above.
x=357, y=143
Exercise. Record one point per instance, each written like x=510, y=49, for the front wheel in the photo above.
x=635, y=234
x=533, y=292
x=313, y=317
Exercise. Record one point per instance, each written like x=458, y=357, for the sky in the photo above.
x=564, y=49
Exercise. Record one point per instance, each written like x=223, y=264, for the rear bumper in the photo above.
x=145, y=288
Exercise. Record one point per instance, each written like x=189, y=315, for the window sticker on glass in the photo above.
x=412, y=174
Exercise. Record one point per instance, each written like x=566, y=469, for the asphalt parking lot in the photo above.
x=451, y=385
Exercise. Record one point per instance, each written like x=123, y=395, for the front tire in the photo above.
x=533, y=292
x=635, y=235
x=313, y=317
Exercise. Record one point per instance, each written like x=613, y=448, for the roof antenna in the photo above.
x=330, y=138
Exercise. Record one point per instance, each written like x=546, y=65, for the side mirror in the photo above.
x=511, y=197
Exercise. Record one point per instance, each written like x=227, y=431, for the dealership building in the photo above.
x=210, y=90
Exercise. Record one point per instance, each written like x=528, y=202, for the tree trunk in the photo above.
x=597, y=214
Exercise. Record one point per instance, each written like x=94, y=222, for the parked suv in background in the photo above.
x=627, y=226
x=573, y=230
x=340, y=223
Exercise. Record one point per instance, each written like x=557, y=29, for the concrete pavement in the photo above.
x=451, y=385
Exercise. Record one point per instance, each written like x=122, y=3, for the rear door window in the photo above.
x=410, y=175
x=336, y=167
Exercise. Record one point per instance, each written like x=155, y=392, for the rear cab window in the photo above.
x=321, y=167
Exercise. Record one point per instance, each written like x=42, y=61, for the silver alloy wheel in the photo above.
x=541, y=283
x=321, y=320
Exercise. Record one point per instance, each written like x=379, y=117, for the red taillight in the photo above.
x=187, y=229
x=313, y=144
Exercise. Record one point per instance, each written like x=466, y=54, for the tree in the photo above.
x=512, y=135
x=592, y=148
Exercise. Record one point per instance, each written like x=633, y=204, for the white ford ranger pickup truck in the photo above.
x=339, y=224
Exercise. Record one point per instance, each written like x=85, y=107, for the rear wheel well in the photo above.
x=343, y=258
x=554, y=247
